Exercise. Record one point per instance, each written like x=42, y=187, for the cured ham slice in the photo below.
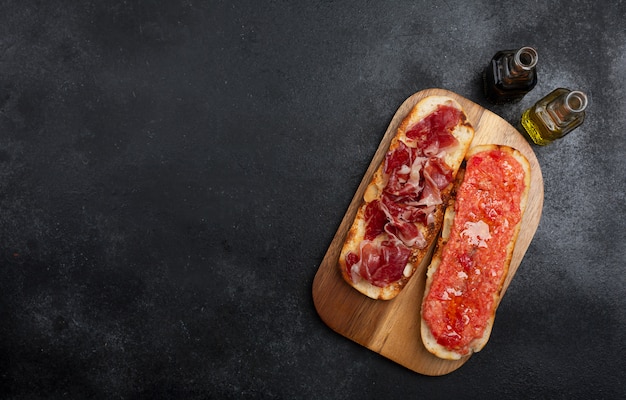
x=432, y=134
x=379, y=263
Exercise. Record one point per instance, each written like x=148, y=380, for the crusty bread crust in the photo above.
x=476, y=345
x=464, y=133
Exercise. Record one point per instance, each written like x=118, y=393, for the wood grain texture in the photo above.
x=392, y=328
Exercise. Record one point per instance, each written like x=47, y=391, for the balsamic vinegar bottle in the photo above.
x=510, y=75
x=555, y=115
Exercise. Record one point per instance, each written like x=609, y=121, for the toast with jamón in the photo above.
x=402, y=210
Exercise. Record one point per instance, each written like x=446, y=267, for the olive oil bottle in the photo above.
x=555, y=115
x=510, y=75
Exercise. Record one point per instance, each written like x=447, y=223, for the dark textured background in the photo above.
x=172, y=173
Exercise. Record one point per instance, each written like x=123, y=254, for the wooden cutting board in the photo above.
x=392, y=328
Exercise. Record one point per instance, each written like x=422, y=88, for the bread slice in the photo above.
x=453, y=156
x=440, y=306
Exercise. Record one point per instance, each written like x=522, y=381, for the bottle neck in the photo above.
x=576, y=101
x=569, y=106
x=523, y=61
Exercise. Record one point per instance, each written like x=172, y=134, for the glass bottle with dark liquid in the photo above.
x=555, y=115
x=510, y=75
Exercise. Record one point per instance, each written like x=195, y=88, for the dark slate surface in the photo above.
x=171, y=174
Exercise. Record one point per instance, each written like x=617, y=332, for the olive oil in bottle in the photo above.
x=555, y=115
x=511, y=74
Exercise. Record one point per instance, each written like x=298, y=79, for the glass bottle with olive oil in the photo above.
x=555, y=115
x=510, y=75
